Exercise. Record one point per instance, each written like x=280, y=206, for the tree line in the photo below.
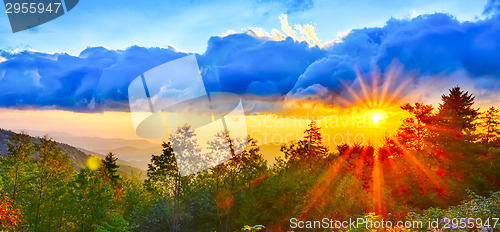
x=433, y=160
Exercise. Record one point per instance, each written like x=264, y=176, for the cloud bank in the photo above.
x=268, y=66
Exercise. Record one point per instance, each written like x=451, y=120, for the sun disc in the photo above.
x=376, y=118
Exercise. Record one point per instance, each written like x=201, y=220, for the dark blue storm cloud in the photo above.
x=427, y=45
x=243, y=64
x=98, y=78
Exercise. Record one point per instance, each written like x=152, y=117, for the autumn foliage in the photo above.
x=10, y=217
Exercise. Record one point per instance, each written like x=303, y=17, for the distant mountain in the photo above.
x=137, y=152
x=120, y=160
x=139, y=156
x=95, y=143
x=271, y=151
x=77, y=156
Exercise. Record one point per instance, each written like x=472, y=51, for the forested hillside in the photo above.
x=76, y=156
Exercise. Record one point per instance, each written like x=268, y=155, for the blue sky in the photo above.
x=188, y=25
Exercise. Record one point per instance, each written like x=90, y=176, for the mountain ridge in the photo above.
x=77, y=156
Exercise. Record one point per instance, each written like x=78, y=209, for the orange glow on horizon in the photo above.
x=339, y=125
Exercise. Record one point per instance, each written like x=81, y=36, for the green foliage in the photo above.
x=116, y=224
x=165, y=180
x=92, y=199
x=475, y=213
x=135, y=201
x=44, y=193
x=18, y=166
x=49, y=183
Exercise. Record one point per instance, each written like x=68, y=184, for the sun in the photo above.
x=376, y=118
x=380, y=98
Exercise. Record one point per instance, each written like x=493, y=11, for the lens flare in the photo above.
x=93, y=162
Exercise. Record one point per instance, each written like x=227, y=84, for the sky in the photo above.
x=188, y=25
x=72, y=74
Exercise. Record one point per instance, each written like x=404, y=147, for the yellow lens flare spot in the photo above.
x=93, y=162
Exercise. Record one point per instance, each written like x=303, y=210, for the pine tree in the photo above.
x=162, y=171
x=457, y=115
x=110, y=167
x=490, y=123
x=416, y=129
x=314, y=141
x=309, y=149
x=313, y=134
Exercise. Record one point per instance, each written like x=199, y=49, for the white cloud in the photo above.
x=414, y=14
x=341, y=35
x=228, y=33
x=301, y=33
x=307, y=32
x=286, y=28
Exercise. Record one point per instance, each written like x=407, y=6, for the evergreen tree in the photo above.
x=110, y=167
x=457, y=115
x=490, y=123
x=162, y=171
x=309, y=149
x=416, y=129
x=314, y=140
